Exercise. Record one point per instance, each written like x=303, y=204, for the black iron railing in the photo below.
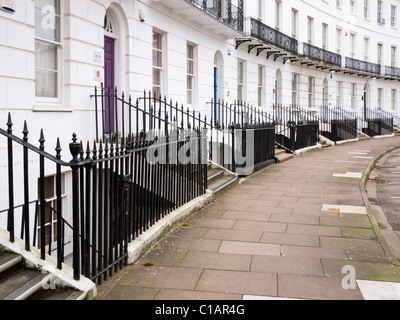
x=378, y=122
x=392, y=72
x=221, y=10
x=295, y=128
x=363, y=66
x=254, y=133
x=322, y=55
x=118, y=190
x=264, y=33
x=150, y=113
x=337, y=124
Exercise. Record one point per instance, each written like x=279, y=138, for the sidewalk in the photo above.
x=285, y=232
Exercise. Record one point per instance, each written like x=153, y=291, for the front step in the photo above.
x=220, y=180
x=17, y=282
x=282, y=156
x=362, y=136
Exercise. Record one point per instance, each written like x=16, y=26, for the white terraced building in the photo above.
x=309, y=53
x=53, y=55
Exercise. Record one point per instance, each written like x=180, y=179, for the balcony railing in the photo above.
x=260, y=31
x=363, y=66
x=221, y=10
x=322, y=55
x=392, y=72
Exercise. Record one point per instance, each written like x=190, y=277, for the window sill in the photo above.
x=50, y=107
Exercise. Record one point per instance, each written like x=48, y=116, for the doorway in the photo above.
x=109, y=83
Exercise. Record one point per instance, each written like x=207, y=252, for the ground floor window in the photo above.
x=380, y=98
x=394, y=99
x=157, y=62
x=50, y=209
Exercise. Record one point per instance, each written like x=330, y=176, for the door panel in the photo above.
x=109, y=82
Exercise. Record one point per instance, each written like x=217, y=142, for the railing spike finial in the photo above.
x=42, y=139
x=88, y=151
x=25, y=131
x=9, y=123
x=58, y=148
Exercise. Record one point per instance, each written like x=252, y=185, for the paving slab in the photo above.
x=286, y=232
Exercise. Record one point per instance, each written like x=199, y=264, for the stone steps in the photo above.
x=281, y=155
x=18, y=282
x=220, y=180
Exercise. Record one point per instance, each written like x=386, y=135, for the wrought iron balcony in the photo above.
x=273, y=37
x=363, y=66
x=221, y=10
x=322, y=55
x=216, y=16
x=392, y=72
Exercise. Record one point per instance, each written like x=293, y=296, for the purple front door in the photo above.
x=109, y=83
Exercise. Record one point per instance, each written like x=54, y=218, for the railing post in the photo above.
x=75, y=149
x=26, y=185
x=10, y=221
x=60, y=223
x=42, y=202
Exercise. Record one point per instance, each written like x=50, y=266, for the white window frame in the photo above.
x=380, y=98
x=352, y=44
x=295, y=23
x=59, y=57
x=240, y=80
x=393, y=16
x=366, y=49
x=310, y=30
x=191, y=92
x=379, y=11
x=353, y=96
x=352, y=6
x=393, y=53
x=261, y=75
x=295, y=88
x=311, y=92
x=394, y=99
x=278, y=14
x=325, y=34
x=380, y=53
x=366, y=9
x=339, y=87
x=159, y=68
x=339, y=40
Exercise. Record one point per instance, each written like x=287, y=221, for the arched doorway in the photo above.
x=115, y=59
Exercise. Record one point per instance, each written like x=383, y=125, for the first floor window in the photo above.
x=47, y=48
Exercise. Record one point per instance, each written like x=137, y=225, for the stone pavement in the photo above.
x=289, y=231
